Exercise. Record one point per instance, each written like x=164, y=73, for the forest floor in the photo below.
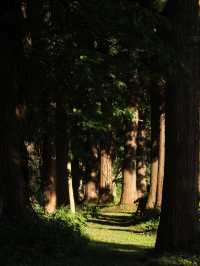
x=115, y=241
x=108, y=237
x=118, y=238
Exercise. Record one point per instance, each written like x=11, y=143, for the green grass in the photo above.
x=114, y=240
x=119, y=238
x=111, y=237
x=116, y=228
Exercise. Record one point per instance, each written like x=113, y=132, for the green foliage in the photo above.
x=147, y=221
x=76, y=222
x=48, y=240
x=118, y=183
x=91, y=211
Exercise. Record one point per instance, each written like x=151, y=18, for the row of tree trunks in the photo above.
x=58, y=188
x=158, y=148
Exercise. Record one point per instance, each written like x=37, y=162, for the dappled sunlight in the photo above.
x=116, y=233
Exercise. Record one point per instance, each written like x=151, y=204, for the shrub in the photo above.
x=49, y=240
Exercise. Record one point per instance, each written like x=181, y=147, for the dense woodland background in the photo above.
x=99, y=108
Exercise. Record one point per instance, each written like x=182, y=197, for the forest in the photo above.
x=100, y=133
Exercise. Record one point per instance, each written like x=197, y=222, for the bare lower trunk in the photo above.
x=129, y=188
x=161, y=161
x=49, y=172
x=12, y=161
x=92, y=168
x=141, y=161
x=61, y=153
x=76, y=175
x=198, y=106
x=13, y=180
x=106, y=177
x=70, y=184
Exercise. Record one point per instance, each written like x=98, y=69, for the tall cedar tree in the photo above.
x=12, y=150
x=177, y=228
x=129, y=188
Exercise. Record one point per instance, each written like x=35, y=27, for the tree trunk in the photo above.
x=106, y=176
x=161, y=158
x=76, y=175
x=92, y=169
x=198, y=106
x=129, y=188
x=154, y=148
x=61, y=154
x=141, y=160
x=178, y=223
x=70, y=183
x=49, y=175
x=12, y=159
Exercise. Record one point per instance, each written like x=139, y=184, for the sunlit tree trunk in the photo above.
x=178, y=223
x=106, y=175
x=70, y=181
x=161, y=156
x=129, y=187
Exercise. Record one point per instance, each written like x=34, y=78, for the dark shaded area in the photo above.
x=40, y=242
x=113, y=220
x=51, y=242
x=119, y=254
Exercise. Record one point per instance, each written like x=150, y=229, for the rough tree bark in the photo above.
x=106, y=175
x=129, y=187
x=178, y=224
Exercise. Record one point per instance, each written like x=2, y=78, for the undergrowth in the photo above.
x=147, y=221
x=47, y=241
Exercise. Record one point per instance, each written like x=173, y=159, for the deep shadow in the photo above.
x=115, y=220
x=119, y=254
x=40, y=242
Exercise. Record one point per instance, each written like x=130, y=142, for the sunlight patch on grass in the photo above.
x=113, y=228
